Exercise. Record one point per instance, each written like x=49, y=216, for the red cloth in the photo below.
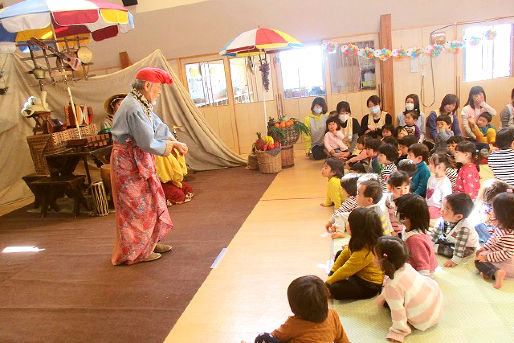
x=176, y=194
x=422, y=255
x=142, y=217
x=154, y=75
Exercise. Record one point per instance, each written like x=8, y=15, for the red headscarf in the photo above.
x=154, y=75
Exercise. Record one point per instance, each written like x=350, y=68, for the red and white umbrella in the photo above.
x=46, y=19
x=259, y=40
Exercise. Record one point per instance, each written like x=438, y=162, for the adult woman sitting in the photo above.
x=372, y=123
x=349, y=126
x=316, y=122
x=412, y=104
x=449, y=106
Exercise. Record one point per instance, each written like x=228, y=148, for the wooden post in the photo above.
x=386, y=67
x=124, y=60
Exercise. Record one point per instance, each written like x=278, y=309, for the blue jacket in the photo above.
x=420, y=179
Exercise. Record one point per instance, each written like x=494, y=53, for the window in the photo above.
x=302, y=72
x=351, y=73
x=487, y=59
x=247, y=80
x=207, y=83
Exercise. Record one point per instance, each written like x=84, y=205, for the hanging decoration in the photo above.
x=435, y=50
x=490, y=34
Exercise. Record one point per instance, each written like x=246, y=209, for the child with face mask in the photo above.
x=373, y=122
x=349, y=126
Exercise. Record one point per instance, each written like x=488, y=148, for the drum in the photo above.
x=100, y=203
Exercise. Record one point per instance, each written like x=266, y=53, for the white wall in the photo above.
x=205, y=27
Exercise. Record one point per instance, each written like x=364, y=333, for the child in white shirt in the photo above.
x=438, y=186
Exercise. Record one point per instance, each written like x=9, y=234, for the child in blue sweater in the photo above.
x=418, y=153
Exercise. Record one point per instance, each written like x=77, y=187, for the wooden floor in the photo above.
x=282, y=239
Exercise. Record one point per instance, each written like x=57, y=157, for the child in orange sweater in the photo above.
x=313, y=321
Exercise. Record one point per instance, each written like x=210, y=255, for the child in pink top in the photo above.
x=439, y=185
x=413, y=298
x=333, y=139
x=495, y=260
x=413, y=213
x=468, y=179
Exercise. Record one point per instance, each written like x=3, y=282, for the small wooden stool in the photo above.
x=48, y=187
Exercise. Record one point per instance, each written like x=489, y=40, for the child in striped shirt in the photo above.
x=495, y=260
x=413, y=298
x=387, y=155
x=337, y=223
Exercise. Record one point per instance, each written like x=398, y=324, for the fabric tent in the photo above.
x=206, y=150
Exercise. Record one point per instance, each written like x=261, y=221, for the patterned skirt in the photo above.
x=142, y=217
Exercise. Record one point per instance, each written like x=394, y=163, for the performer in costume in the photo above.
x=111, y=105
x=142, y=217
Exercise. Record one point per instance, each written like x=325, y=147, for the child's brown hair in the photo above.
x=308, y=298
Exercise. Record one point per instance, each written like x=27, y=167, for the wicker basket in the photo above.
x=287, y=156
x=252, y=161
x=290, y=136
x=46, y=144
x=269, y=163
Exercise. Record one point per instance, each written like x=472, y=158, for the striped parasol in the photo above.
x=47, y=19
x=259, y=40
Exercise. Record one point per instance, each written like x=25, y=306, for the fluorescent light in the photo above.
x=21, y=249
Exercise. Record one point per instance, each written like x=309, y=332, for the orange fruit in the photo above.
x=277, y=125
x=282, y=124
x=290, y=123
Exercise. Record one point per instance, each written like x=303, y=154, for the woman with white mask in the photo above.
x=316, y=122
x=372, y=123
x=412, y=104
x=349, y=125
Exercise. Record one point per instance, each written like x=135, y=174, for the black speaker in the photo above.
x=129, y=2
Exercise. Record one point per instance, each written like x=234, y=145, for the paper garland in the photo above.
x=384, y=54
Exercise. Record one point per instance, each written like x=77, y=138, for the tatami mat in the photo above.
x=282, y=239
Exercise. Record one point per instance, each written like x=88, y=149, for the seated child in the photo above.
x=454, y=236
x=357, y=168
x=483, y=130
x=451, y=144
x=408, y=167
x=397, y=185
x=413, y=298
x=391, y=140
x=501, y=161
x=495, y=260
x=468, y=179
x=439, y=185
x=354, y=274
x=361, y=155
x=387, y=155
x=410, y=124
x=403, y=146
x=337, y=222
x=413, y=213
x=369, y=194
x=484, y=207
x=418, y=153
x=313, y=321
x=333, y=171
x=387, y=131
x=372, y=145
x=334, y=138
x=444, y=132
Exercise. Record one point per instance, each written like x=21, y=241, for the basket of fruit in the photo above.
x=268, y=154
x=285, y=131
